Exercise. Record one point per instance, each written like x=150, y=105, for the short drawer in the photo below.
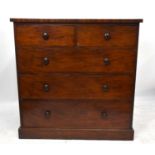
x=76, y=114
x=44, y=35
x=121, y=36
x=97, y=60
x=69, y=86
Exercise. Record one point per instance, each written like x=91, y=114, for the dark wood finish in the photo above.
x=66, y=86
x=99, y=60
x=76, y=78
x=95, y=35
x=76, y=115
x=78, y=21
x=99, y=134
x=33, y=35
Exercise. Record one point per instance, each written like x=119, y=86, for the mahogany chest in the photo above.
x=76, y=77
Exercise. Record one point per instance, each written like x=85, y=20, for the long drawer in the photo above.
x=69, y=86
x=98, y=60
x=76, y=115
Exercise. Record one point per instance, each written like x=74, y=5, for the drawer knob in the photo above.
x=46, y=87
x=106, y=61
x=107, y=36
x=105, y=87
x=104, y=114
x=47, y=113
x=46, y=61
x=45, y=36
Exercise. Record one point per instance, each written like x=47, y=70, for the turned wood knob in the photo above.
x=46, y=60
x=46, y=87
x=47, y=113
x=106, y=61
x=107, y=36
x=45, y=36
x=104, y=114
x=105, y=87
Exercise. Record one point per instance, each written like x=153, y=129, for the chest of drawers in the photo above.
x=76, y=78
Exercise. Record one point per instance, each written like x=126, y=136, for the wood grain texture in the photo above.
x=120, y=36
x=77, y=21
x=66, y=86
x=80, y=60
x=76, y=78
x=32, y=35
x=86, y=35
x=77, y=114
x=98, y=134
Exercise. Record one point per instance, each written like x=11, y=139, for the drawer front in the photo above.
x=44, y=35
x=66, y=86
x=75, y=114
x=122, y=36
x=76, y=60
